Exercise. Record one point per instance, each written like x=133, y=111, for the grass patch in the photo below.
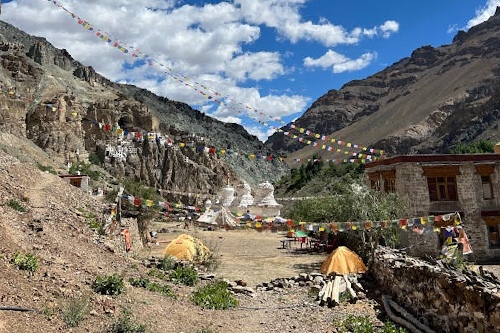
x=186, y=275
x=145, y=283
x=74, y=311
x=48, y=169
x=125, y=323
x=14, y=204
x=214, y=296
x=363, y=324
x=108, y=285
x=26, y=262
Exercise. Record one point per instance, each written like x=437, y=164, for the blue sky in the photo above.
x=268, y=59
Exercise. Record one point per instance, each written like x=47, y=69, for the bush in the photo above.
x=362, y=324
x=14, y=204
x=167, y=263
x=214, y=296
x=155, y=272
x=48, y=169
x=187, y=276
x=75, y=311
x=27, y=262
x=94, y=158
x=165, y=290
x=108, y=285
x=96, y=225
x=125, y=324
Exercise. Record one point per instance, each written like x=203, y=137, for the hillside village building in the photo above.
x=437, y=184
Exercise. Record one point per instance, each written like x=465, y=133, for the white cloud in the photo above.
x=209, y=44
x=484, y=13
x=340, y=63
x=256, y=66
x=388, y=28
x=284, y=16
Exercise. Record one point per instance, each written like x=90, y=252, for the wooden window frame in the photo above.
x=442, y=182
x=485, y=171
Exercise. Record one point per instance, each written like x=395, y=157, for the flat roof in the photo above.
x=443, y=158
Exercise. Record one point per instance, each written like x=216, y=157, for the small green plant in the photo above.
x=215, y=296
x=125, y=324
x=186, y=275
x=94, y=158
x=14, y=204
x=48, y=169
x=165, y=290
x=49, y=310
x=27, y=262
x=74, y=311
x=167, y=263
x=155, y=272
x=108, y=285
x=96, y=225
x=362, y=324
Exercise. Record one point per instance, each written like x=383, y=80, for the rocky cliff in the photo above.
x=426, y=103
x=72, y=112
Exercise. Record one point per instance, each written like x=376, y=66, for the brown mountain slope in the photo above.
x=426, y=103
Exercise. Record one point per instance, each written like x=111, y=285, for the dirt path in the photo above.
x=37, y=194
x=248, y=255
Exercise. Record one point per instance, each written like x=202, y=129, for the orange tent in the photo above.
x=186, y=247
x=343, y=261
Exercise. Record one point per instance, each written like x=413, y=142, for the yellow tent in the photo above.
x=186, y=247
x=343, y=261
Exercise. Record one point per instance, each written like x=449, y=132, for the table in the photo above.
x=286, y=243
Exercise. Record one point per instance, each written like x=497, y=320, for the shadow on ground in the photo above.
x=308, y=268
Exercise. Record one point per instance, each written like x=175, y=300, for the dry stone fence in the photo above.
x=447, y=300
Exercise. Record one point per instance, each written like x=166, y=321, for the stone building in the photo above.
x=438, y=184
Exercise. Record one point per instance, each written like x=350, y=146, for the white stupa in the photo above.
x=227, y=194
x=244, y=194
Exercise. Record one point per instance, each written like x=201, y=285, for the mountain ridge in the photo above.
x=424, y=103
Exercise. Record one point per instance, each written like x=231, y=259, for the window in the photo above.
x=390, y=185
x=389, y=177
x=442, y=182
x=374, y=181
x=487, y=187
x=375, y=184
x=485, y=171
x=493, y=227
x=442, y=188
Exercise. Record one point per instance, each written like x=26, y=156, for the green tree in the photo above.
x=477, y=147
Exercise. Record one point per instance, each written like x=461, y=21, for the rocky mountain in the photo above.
x=73, y=113
x=426, y=103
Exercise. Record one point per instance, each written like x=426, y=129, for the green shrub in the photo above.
x=96, y=225
x=14, y=204
x=167, y=263
x=74, y=311
x=155, y=272
x=27, y=262
x=139, y=282
x=165, y=290
x=108, y=285
x=48, y=169
x=186, y=275
x=362, y=324
x=125, y=324
x=94, y=158
x=214, y=296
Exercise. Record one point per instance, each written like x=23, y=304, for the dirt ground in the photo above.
x=249, y=255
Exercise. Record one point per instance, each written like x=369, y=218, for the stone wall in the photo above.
x=447, y=300
x=411, y=184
